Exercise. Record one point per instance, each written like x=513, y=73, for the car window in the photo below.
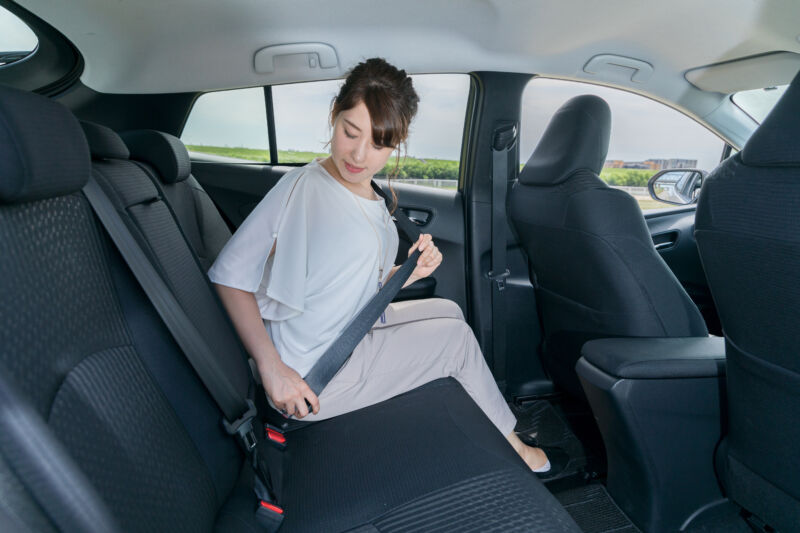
x=229, y=126
x=17, y=40
x=434, y=144
x=646, y=136
x=758, y=102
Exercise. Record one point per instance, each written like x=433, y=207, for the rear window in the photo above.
x=758, y=102
x=17, y=40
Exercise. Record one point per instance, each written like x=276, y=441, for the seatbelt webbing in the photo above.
x=237, y=410
x=503, y=143
x=337, y=353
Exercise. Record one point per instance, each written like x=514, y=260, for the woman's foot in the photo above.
x=546, y=462
x=535, y=458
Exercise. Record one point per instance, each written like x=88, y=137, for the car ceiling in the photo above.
x=169, y=46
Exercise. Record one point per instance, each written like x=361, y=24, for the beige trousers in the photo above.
x=422, y=340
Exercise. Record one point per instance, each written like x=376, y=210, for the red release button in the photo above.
x=272, y=507
x=276, y=436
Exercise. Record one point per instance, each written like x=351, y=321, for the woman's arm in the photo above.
x=285, y=387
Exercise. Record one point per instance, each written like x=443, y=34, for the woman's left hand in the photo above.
x=429, y=259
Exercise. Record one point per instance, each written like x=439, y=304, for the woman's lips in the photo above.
x=351, y=169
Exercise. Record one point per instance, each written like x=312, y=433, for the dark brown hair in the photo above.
x=391, y=102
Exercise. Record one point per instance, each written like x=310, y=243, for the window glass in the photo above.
x=434, y=144
x=759, y=102
x=228, y=125
x=646, y=136
x=17, y=40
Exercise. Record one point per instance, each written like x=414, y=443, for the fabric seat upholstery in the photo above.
x=167, y=161
x=748, y=235
x=592, y=260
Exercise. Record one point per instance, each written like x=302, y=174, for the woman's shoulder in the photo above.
x=309, y=177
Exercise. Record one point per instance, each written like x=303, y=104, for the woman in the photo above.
x=326, y=217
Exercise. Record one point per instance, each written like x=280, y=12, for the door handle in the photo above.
x=665, y=241
x=420, y=217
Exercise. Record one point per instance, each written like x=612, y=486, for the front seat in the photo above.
x=748, y=234
x=592, y=260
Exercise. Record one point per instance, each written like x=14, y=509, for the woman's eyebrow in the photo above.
x=351, y=124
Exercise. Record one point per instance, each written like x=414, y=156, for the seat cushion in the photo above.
x=428, y=460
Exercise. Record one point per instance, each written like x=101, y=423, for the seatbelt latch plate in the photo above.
x=243, y=427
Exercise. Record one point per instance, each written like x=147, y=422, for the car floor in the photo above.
x=568, y=424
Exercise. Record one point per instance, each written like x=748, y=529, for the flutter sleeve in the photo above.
x=278, y=281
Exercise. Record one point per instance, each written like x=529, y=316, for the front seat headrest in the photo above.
x=166, y=153
x=104, y=143
x=774, y=143
x=576, y=138
x=43, y=152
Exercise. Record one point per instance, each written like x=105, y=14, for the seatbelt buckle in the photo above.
x=243, y=427
x=499, y=279
x=269, y=516
x=275, y=436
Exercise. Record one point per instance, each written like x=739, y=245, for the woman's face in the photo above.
x=353, y=152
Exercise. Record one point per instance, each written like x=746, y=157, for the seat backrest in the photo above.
x=167, y=159
x=82, y=345
x=748, y=234
x=593, y=262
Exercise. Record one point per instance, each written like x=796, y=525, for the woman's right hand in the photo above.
x=287, y=390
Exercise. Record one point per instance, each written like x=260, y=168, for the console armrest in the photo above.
x=658, y=358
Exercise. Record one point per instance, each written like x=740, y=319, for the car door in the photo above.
x=243, y=141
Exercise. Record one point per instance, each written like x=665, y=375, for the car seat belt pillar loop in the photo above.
x=504, y=140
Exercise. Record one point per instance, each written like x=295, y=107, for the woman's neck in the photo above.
x=362, y=188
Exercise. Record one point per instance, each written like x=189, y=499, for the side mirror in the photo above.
x=676, y=186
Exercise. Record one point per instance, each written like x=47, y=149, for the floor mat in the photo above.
x=551, y=424
x=593, y=510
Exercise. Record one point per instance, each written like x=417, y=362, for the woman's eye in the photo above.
x=348, y=135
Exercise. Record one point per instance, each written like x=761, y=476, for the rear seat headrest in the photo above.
x=43, y=152
x=104, y=143
x=166, y=153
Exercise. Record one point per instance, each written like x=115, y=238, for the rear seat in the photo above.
x=166, y=159
x=81, y=342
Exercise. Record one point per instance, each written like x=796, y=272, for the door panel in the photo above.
x=673, y=236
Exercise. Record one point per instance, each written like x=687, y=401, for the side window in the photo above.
x=434, y=145
x=17, y=40
x=228, y=126
x=646, y=136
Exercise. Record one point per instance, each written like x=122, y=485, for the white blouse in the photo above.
x=325, y=265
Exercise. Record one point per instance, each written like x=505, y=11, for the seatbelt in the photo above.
x=239, y=413
x=337, y=353
x=503, y=141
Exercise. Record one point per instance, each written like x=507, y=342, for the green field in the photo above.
x=418, y=168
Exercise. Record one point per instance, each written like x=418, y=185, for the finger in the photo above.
x=300, y=408
x=426, y=241
x=310, y=398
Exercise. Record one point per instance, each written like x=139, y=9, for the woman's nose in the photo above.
x=360, y=152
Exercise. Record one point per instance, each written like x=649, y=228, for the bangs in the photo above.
x=388, y=125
